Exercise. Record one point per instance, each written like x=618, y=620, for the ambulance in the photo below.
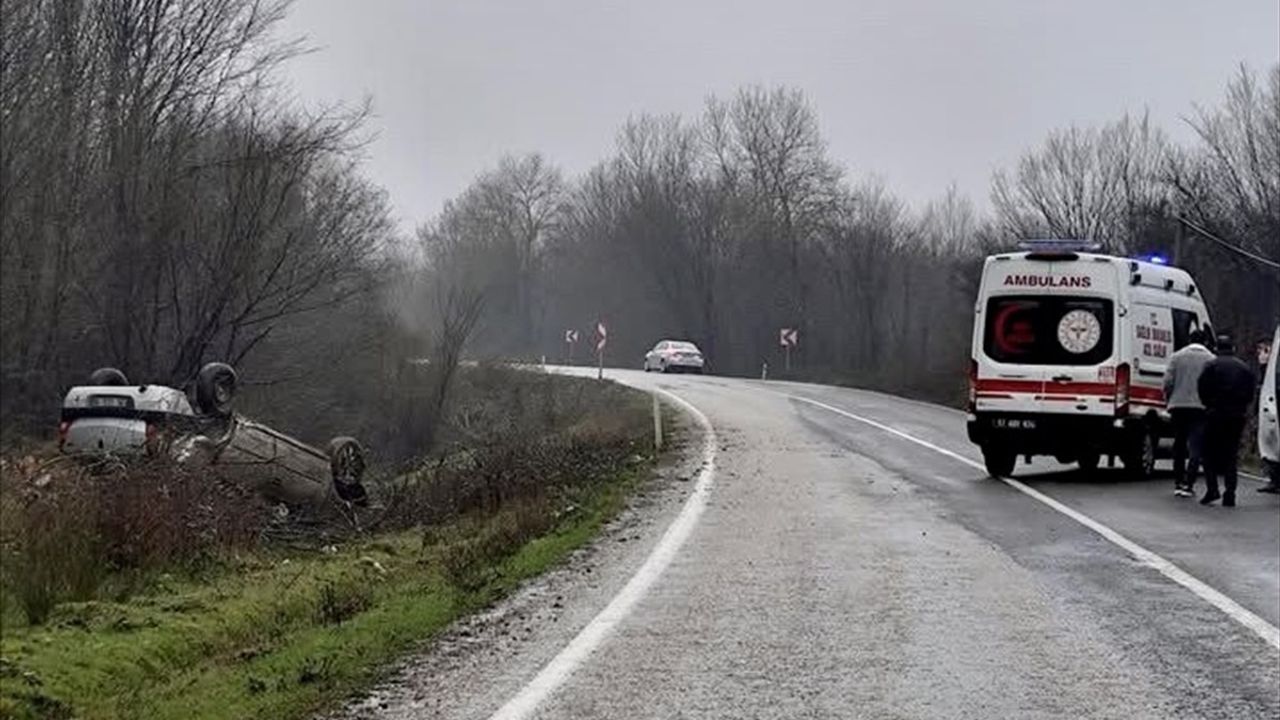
x=1069, y=354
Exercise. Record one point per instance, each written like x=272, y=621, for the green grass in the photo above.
x=266, y=635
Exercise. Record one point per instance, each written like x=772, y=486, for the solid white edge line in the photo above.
x=572, y=656
x=1263, y=629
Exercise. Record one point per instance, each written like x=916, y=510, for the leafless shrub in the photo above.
x=70, y=530
x=469, y=552
x=341, y=600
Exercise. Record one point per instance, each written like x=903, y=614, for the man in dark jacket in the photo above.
x=1226, y=389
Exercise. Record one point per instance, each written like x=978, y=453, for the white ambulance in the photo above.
x=1069, y=354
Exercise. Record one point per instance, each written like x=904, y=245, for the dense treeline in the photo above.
x=162, y=204
x=726, y=227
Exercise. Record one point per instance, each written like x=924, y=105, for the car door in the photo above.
x=1154, y=342
x=653, y=358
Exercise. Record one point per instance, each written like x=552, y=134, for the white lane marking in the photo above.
x=556, y=672
x=1233, y=609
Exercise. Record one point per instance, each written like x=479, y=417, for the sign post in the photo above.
x=602, y=335
x=788, y=338
x=570, y=339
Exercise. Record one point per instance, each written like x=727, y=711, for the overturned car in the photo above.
x=110, y=417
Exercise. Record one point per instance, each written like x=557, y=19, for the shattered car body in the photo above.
x=109, y=417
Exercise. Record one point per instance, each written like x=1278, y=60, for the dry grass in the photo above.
x=71, y=531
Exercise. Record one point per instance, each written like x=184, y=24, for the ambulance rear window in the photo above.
x=1048, y=330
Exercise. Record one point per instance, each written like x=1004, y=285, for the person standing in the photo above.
x=1182, y=397
x=1226, y=388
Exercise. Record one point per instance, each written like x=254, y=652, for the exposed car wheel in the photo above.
x=1140, y=459
x=108, y=376
x=346, y=460
x=1088, y=461
x=665, y=368
x=215, y=389
x=999, y=462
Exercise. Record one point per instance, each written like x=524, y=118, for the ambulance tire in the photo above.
x=1088, y=462
x=1140, y=458
x=999, y=462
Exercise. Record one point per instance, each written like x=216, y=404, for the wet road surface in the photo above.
x=864, y=568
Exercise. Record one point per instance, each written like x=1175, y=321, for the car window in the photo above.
x=1048, y=330
x=685, y=346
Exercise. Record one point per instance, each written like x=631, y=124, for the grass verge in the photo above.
x=271, y=636
x=144, y=592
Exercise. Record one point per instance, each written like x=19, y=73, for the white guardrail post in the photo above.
x=657, y=424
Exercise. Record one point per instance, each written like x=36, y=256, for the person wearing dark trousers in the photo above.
x=1226, y=388
x=1182, y=397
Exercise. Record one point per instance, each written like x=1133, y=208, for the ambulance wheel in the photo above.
x=1140, y=460
x=1000, y=462
x=1088, y=461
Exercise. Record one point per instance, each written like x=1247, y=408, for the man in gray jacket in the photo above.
x=1182, y=397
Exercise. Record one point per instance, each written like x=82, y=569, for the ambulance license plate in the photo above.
x=1014, y=423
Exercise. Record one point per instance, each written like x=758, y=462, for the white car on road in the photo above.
x=674, y=356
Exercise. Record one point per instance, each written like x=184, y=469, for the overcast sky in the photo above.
x=920, y=92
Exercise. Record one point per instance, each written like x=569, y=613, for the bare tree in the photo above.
x=159, y=209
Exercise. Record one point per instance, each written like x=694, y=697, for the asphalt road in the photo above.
x=841, y=556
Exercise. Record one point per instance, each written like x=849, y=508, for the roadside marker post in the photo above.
x=603, y=334
x=788, y=338
x=570, y=340
x=657, y=424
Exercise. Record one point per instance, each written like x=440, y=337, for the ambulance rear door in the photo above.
x=1049, y=335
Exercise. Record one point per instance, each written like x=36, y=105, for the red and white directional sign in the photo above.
x=788, y=337
x=602, y=333
x=571, y=336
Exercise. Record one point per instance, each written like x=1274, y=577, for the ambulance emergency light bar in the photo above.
x=1059, y=246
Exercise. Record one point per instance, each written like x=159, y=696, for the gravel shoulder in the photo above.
x=472, y=668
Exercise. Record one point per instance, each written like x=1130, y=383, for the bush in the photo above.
x=68, y=528
x=473, y=547
x=342, y=600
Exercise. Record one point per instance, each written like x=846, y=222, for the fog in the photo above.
x=921, y=93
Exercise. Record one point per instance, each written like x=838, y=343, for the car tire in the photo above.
x=347, y=465
x=999, y=462
x=108, y=376
x=216, y=388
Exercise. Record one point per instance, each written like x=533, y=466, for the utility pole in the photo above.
x=1179, y=243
